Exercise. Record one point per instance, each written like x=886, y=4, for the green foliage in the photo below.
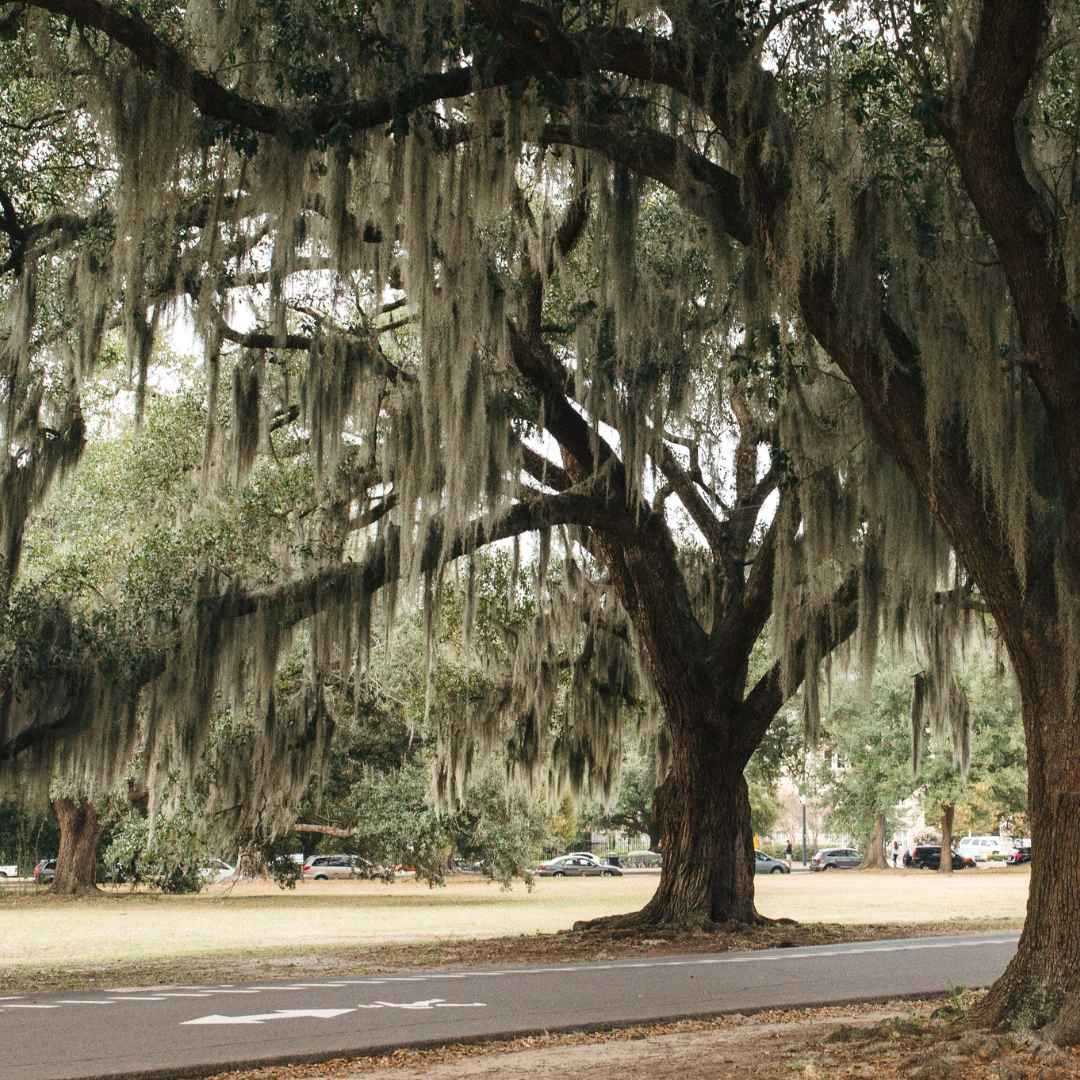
x=26, y=836
x=633, y=809
x=872, y=736
x=396, y=824
x=166, y=852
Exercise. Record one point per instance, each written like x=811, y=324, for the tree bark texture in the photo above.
x=875, y=858
x=703, y=818
x=1041, y=986
x=948, y=812
x=76, y=861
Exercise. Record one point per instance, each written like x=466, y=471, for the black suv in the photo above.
x=928, y=857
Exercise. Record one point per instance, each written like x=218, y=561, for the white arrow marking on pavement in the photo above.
x=262, y=1018
x=430, y=1003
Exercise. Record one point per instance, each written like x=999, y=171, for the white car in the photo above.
x=9, y=871
x=215, y=870
x=980, y=848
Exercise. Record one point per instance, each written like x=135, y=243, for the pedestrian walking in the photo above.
x=895, y=854
x=788, y=853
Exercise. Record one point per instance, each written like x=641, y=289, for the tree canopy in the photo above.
x=619, y=234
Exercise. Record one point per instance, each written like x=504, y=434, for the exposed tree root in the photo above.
x=78, y=890
x=663, y=924
x=1038, y=1010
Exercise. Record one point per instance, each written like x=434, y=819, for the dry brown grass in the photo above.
x=255, y=930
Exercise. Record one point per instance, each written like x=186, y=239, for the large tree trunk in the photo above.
x=703, y=818
x=948, y=811
x=875, y=858
x=76, y=861
x=1041, y=986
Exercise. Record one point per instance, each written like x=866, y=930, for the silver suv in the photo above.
x=836, y=858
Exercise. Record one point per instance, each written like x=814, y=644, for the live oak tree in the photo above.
x=522, y=322
x=109, y=558
x=895, y=180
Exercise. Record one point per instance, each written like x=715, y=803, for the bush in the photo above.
x=166, y=853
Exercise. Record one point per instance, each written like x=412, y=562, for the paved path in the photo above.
x=191, y=1031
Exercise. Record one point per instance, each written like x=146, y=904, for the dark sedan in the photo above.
x=577, y=866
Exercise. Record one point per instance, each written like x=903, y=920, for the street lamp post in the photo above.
x=802, y=799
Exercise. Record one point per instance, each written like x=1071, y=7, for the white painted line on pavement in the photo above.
x=261, y=1018
x=762, y=956
x=708, y=961
x=430, y=1003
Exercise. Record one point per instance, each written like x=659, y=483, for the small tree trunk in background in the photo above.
x=76, y=860
x=875, y=859
x=948, y=811
x=250, y=864
x=324, y=830
x=654, y=834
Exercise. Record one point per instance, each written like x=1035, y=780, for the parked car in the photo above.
x=45, y=871
x=9, y=871
x=982, y=848
x=215, y=870
x=651, y=859
x=836, y=858
x=928, y=857
x=459, y=867
x=580, y=864
x=325, y=867
x=1020, y=856
x=766, y=864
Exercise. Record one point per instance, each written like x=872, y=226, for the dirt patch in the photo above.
x=916, y=1040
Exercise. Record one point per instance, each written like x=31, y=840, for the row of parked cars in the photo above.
x=316, y=868
x=968, y=853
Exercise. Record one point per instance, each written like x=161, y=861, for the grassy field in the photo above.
x=120, y=928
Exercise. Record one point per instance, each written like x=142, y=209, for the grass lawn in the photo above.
x=252, y=929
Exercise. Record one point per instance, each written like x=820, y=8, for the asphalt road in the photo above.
x=192, y=1031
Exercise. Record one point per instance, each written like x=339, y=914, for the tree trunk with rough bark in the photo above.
x=76, y=861
x=1041, y=986
x=703, y=819
x=948, y=812
x=875, y=858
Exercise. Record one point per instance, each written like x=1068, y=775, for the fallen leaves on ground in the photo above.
x=903, y=1039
